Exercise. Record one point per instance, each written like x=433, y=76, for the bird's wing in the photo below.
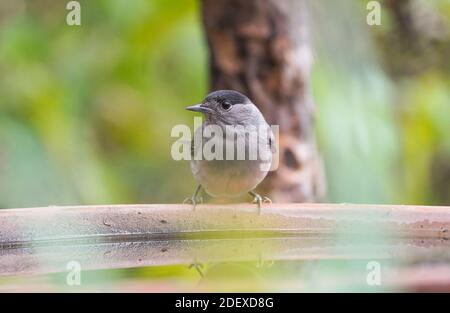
x=272, y=144
x=274, y=150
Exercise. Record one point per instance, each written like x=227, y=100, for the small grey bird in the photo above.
x=230, y=176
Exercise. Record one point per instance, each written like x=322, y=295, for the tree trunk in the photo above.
x=261, y=48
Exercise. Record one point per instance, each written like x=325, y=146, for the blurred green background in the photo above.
x=86, y=111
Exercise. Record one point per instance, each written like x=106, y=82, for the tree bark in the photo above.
x=261, y=48
x=417, y=41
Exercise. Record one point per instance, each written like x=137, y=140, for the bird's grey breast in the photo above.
x=235, y=164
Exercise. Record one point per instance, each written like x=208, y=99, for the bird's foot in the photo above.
x=267, y=200
x=194, y=201
x=260, y=263
x=259, y=200
x=198, y=266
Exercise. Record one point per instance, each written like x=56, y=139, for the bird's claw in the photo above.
x=198, y=266
x=267, y=200
x=259, y=200
x=193, y=200
x=264, y=264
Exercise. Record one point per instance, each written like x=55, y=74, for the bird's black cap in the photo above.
x=233, y=97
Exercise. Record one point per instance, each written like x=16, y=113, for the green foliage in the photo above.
x=384, y=138
x=86, y=111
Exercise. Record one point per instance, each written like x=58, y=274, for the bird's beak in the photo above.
x=199, y=108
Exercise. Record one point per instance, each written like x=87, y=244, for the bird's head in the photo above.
x=228, y=107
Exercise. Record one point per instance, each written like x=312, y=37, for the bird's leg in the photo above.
x=194, y=200
x=256, y=199
x=259, y=200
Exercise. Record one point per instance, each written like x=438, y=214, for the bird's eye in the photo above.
x=226, y=106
